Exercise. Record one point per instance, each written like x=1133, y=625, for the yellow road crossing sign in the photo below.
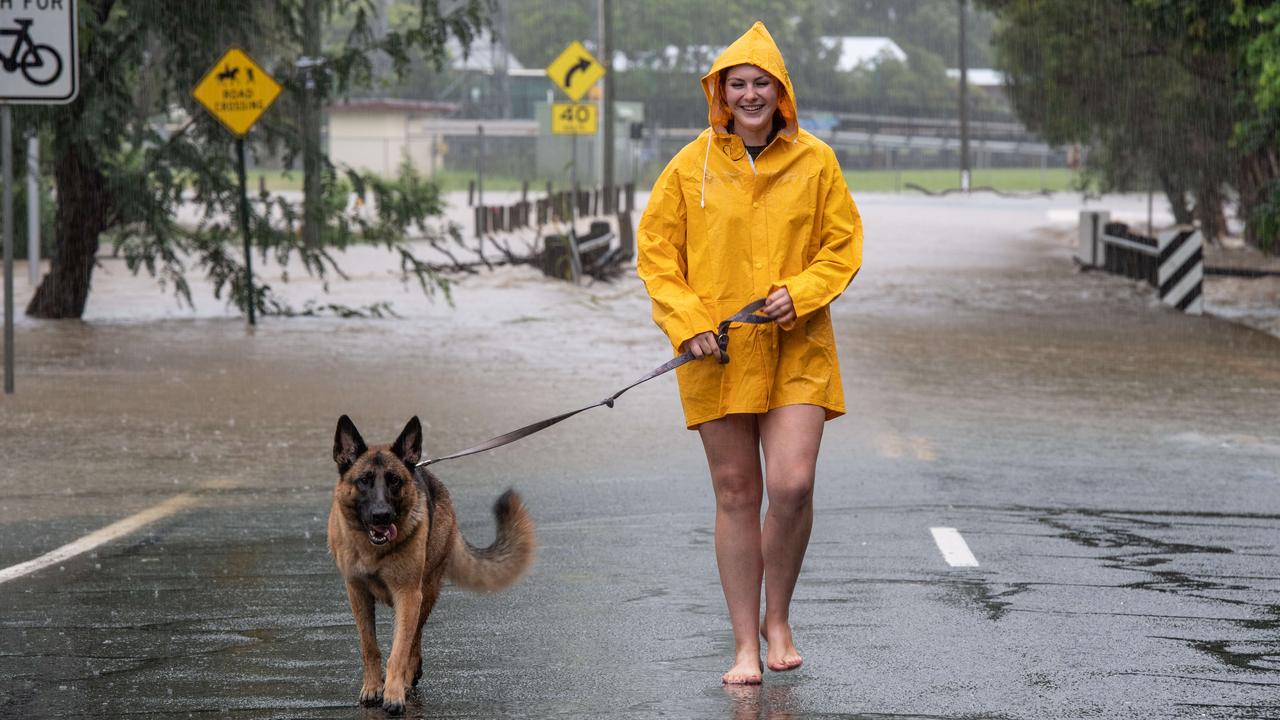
x=573, y=119
x=575, y=71
x=236, y=90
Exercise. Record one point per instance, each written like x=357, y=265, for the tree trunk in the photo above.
x=83, y=204
x=1259, y=185
x=1177, y=196
x=1209, y=211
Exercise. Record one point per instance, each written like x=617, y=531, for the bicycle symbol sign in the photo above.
x=38, y=59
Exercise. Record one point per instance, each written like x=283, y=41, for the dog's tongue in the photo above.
x=382, y=534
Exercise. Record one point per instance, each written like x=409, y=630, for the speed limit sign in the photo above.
x=573, y=119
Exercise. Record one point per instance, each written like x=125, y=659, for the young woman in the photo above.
x=754, y=208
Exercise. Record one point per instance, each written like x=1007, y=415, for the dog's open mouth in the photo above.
x=382, y=534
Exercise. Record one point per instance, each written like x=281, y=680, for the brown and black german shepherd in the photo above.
x=394, y=536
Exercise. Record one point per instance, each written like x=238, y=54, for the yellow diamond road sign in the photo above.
x=575, y=71
x=236, y=90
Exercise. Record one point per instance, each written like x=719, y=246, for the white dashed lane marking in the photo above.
x=954, y=549
x=892, y=445
x=107, y=534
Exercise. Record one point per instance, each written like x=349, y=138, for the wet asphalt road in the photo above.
x=1114, y=466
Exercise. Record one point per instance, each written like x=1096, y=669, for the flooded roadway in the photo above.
x=1113, y=466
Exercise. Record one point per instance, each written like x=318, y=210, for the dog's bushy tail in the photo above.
x=505, y=561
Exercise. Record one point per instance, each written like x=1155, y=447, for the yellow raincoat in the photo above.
x=721, y=230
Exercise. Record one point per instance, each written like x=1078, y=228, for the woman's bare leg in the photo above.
x=732, y=444
x=790, y=436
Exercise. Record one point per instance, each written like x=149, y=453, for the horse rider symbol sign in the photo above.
x=236, y=90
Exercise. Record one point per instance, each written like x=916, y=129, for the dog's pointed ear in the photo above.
x=408, y=447
x=347, y=444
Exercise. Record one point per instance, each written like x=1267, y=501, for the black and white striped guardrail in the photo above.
x=1172, y=262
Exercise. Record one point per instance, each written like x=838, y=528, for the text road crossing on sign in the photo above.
x=575, y=71
x=236, y=90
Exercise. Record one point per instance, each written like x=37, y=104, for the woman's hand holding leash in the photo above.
x=703, y=344
x=779, y=307
x=776, y=307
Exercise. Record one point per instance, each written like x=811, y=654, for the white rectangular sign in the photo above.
x=39, y=63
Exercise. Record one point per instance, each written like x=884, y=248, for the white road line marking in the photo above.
x=954, y=549
x=920, y=446
x=889, y=445
x=892, y=445
x=100, y=537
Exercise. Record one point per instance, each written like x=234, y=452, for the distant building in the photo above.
x=377, y=134
x=863, y=52
x=693, y=59
x=483, y=56
x=985, y=78
x=496, y=83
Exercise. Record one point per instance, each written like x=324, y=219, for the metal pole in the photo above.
x=964, y=103
x=605, y=15
x=500, y=52
x=6, y=149
x=479, y=180
x=573, y=178
x=244, y=227
x=33, y=209
x=1150, y=203
x=312, y=68
x=575, y=261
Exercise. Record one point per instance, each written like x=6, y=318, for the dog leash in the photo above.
x=746, y=315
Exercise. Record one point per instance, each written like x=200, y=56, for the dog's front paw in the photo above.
x=371, y=695
x=393, y=707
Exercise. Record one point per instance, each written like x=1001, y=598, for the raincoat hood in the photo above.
x=755, y=47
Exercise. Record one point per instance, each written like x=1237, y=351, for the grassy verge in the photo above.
x=1007, y=179
x=886, y=181
x=275, y=180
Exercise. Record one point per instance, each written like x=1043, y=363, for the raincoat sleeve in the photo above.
x=663, y=265
x=839, y=249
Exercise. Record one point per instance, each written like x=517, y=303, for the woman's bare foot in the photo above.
x=782, y=655
x=746, y=669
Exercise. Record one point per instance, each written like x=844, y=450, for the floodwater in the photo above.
x=1112, y=464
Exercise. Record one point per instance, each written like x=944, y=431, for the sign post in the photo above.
x=6, y=138
x=574, y=71
x=33, y=208
x=41, y=67
x=237, y=91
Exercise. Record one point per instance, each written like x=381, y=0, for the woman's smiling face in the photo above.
x=752, y=96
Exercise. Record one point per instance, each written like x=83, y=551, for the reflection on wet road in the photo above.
x=1114, y=467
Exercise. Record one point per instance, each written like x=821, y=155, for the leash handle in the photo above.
x=746, y=315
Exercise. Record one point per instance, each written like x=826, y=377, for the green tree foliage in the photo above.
x=134, y=149
x=1258, y=137
x=1261, y=20
x=1161, y=90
